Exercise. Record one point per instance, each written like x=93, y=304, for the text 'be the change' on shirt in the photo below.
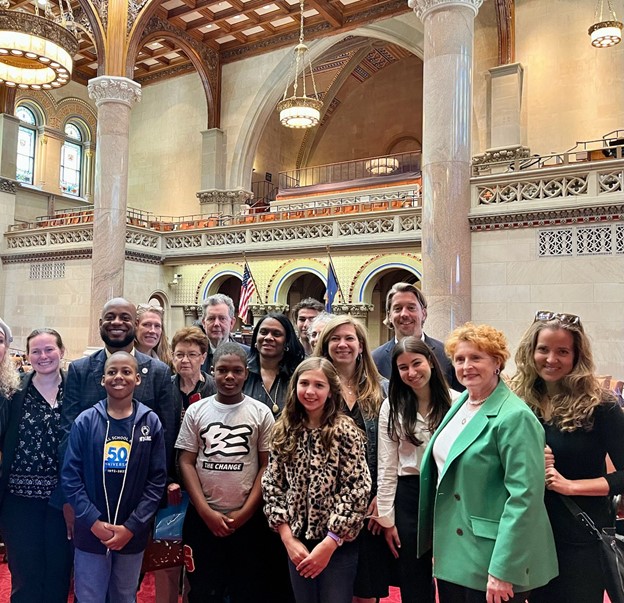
x=227, y=439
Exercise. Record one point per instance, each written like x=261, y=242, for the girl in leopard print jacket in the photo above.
x=317, y=484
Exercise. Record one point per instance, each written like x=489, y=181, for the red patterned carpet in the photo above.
x=146, y=594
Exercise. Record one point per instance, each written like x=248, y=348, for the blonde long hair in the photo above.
x=573, y=407
x=369, y=393
x=162, y=349
x=291, y=423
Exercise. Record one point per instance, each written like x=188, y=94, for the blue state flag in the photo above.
x=332, y=287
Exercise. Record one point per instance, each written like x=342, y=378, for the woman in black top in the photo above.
x=34, y=531
x=556, y=377
x=274, y=355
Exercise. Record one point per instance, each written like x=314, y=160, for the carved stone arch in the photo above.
x=88, y=19
x=365, y=279
x=213, y=277
x=40, y=102
x=266, y=99
x=288, y=272
x=204, y=59
x=399, y=140
x=75, y=107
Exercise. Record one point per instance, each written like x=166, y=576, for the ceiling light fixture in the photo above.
x=605, y=32
x=300, y=111
x=36, y=51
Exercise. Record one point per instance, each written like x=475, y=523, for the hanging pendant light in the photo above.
x=36, y=51
x=300, y=111
x=605, y=32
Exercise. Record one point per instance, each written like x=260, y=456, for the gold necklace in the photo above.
x=274, y=406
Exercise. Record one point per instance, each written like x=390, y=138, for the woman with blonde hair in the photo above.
x=556, y=378
x=150, y=337
x=9, y=379
x=344, y=343
x=481, y=505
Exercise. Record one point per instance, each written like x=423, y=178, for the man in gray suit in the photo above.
x=406, y=311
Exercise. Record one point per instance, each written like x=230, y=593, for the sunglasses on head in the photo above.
x=565, y=319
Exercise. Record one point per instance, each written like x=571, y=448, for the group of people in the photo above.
x=318, y=470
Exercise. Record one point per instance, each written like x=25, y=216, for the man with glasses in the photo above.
x=218, y=320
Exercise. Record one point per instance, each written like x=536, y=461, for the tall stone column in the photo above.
x=447, y=107
x=114, y=97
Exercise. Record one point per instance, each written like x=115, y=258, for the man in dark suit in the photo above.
x=83, y=387
x=218, y=321
x=406, y=311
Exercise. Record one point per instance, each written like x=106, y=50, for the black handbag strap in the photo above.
x=580, y=515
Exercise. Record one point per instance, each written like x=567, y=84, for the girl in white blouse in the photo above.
x=418, y=399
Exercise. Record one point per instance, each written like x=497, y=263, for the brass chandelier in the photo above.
x=300, y=111
x=607, y=31
x=36, y=50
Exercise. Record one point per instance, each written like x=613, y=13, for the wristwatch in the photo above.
x=339, y=541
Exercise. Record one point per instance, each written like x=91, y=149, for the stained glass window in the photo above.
x=26, y=145
x=71, y=161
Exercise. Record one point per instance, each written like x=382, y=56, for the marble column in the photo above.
x=447, y=107
x=9, y=131
x=47, y=170
x=114, y=97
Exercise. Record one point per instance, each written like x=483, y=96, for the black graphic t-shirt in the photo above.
x=116, y=455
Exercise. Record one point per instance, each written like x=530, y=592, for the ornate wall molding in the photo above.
x=554, y=217
x=496, y=155
x=143, y=258
x=8, y=186
x=49, y=256
x=423, y=7
x=222, y=197
x=109, y=88
x=356, y=310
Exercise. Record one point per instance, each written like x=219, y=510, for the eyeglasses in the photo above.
x=191, y=356
x=565, y=319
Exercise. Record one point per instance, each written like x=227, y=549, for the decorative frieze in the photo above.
x=422, y=7
x=355, y=310
x=223, y=202
x=581, y=241
x=8, y=186
x=109, y=88
x=506, y=154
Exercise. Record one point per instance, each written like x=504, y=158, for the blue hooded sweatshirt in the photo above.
x=83, y=480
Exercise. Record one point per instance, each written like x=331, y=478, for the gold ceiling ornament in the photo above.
x=300, y=111
x=607, y=31
x=36, y=50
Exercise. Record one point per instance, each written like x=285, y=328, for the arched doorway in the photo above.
x=306, y=285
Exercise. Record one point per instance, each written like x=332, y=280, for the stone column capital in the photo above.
x=223, y=196
x=423, y=7
x=356, y=310
x=110, y=88
x=192, y=311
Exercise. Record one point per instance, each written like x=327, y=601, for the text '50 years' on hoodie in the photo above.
x=142, y=485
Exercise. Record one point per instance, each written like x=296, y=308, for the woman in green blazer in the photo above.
x=482, y=484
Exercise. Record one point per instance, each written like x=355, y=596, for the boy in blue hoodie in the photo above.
x=114, y=476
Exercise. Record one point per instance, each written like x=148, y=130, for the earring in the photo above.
x=497, y=371
x=359, y=358
x=286, y=348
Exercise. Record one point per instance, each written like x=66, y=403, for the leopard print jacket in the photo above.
x=324, y=491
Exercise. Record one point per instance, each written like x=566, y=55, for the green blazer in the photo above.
x=487, y=516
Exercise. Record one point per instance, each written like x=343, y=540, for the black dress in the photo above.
x=580, y=454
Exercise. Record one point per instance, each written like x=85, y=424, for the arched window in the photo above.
x=71, y=159
x=26, y=144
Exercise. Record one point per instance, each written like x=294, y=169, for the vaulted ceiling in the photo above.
x=235, y=29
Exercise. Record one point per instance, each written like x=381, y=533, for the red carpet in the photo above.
x=146, y=594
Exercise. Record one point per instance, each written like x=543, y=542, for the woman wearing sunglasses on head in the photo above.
x=555, y=376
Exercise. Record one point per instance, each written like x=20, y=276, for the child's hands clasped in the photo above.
x=218, y=523
x=101, y=531
x=317, y=560
x=121, y=537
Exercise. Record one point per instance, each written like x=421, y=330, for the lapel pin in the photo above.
x=144, y=370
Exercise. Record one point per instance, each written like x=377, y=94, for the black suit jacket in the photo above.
x=383, y=360
x=83, y=389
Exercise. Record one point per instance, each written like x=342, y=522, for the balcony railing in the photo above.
x=372, y=168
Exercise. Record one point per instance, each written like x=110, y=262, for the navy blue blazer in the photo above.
x=382, y=356
x=84, y=389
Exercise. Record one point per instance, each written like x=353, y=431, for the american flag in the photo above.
x=248, y=288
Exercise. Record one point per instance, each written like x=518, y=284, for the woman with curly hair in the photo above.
x=9, y=379
x=344, y=343
x=316, y=485
x=418, y=399
x=556, y=377
x=481, y=507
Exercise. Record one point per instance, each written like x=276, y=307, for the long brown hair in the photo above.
x=291, y=423
x=404, y=401
x=369, y=394
x=580, y=394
